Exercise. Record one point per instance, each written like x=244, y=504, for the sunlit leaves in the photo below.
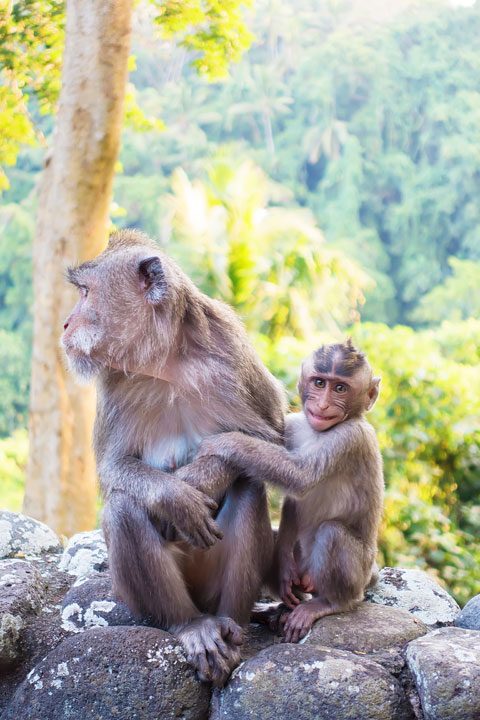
x=427, y=420
x=213, y=30
x=31, y=45
x=458, y=298
x=269, y=261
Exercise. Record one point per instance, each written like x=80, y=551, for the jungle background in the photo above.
x=317, y=165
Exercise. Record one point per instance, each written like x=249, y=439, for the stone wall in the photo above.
x=70, y=650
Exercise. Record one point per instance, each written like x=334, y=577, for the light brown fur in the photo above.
x=172, y=367
x=327, y=539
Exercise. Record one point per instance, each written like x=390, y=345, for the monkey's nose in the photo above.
x=65, y=326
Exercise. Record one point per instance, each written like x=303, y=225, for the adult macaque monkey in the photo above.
x=174, y=366
x=331, y=469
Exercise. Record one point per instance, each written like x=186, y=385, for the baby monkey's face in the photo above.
x=331, y=396
x=327, y=399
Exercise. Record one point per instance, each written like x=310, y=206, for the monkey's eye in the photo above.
x=319, y=383
x=83, y=290
x=340, y=388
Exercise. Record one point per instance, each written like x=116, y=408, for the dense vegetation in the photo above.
x=332, y=178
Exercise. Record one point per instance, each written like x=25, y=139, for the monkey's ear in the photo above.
x=152, y=279
x=372, y=393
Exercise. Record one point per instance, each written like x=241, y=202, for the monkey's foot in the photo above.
x=272, y=616
x=298, y=623
x=212, y=646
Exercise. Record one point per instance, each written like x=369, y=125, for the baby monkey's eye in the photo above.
x=83, y=290
x=318, y=382
x=340, y=388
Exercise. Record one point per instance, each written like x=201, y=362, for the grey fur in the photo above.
x=174, y=367
x=330, y=519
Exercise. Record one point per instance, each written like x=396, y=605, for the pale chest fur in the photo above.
x=345, y=492
x=164, y=425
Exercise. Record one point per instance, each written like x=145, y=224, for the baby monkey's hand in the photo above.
x=289, y=577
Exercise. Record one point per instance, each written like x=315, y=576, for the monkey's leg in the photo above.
x=226, y=580
x=247, y=549
x=145, y=574
x=339, y=566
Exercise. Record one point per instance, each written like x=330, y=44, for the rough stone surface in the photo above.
x=367, y=629
x=92, y=604
x=22, y=592
x=469, y=618
x=257, y=637
x=85, y=554
x=417, y=593
x=69, y=649
x=134, y=673
x=307, y=683
x=22, y=536
x=446, y=668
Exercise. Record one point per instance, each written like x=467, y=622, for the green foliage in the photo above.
x=31, y=46
x=263, y=259
x=13, y=462
x=381, y=146
x=458, y=298
x=214, y=30
x=370, y=132
x=428, y=424
x=15, y=315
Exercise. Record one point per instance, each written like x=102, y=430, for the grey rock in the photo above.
x=124, y=673
x=308, y=683
x=446, y=668
x=22, y=592
x=22, y=536
x=417, y=593
x=92, y=604
x=469, y=618
x=257, y=637
x=366, y=629
x=85, y=554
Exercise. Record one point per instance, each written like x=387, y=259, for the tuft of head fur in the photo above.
x=129, y=238
x=340, y=358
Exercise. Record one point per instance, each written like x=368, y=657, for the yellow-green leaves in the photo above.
x=214, y=30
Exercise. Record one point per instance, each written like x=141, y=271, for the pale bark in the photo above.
x=72, y=222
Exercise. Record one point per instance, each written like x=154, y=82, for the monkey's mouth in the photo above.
x=322, y=418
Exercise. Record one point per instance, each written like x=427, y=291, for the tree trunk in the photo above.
x=72, y=223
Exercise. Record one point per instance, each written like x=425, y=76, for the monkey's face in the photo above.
x=111, y=321
x=325, y=401
x=329, y=399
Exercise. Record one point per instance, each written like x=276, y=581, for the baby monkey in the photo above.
x=331, y=471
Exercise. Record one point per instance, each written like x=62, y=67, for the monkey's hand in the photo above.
x=289, y=576
x=190, y=511
x=211, y=475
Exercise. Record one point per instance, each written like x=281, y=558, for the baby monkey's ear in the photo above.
x=372, y=393
x=152, y=279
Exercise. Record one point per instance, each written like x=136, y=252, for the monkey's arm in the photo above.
x=289, y=470
x=164, y=496
x=210, y=474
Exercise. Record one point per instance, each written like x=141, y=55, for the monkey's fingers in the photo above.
x=223, y=648
x=202, y=538
x=195, y=537
x=221, y=669
x=210, y=503
x=231, y=631
x=200, y=663
x=297, y=626
x=208, y=533
x=288, y=597
x=213, y=528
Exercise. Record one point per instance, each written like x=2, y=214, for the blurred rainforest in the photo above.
x=325, y=182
